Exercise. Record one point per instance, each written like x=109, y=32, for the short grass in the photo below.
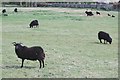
x=69, y=40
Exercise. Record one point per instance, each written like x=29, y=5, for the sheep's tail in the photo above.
x=43, y=55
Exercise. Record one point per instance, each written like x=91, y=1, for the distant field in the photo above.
x=69, y=39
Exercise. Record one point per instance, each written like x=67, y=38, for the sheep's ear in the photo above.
x=14, y=43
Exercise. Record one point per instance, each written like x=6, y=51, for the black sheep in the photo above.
x=109, y=15
x=113, y=16
x=31, y=53
x=98, y=13
x=4, y=11
x=34, y=23
x=15, y=10
x=89, y=13
x=105, y=36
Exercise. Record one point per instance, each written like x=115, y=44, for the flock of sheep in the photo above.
x=101, y=35
x=37, y=53
x=90, y=13
x=32, y=24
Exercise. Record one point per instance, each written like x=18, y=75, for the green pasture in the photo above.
x=70, y=42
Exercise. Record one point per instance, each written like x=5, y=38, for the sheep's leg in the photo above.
x=40, y=63
x=100, y=41
x=43, y=63
x=104, y=41
x=22, y=62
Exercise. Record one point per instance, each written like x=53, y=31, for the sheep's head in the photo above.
x=110, y=40
x=17, y=45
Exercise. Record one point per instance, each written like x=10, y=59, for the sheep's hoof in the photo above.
x=21, y=66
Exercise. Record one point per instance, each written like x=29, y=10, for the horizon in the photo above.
x=106, y=1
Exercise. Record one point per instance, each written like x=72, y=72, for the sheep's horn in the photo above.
x=13, y=43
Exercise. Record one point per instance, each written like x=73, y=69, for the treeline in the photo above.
x=97, y=5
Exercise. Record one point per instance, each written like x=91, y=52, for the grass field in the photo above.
x=69, y=39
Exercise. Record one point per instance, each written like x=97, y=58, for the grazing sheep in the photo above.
x=98, y=13
x=113, y=16
x=29, y=53
x=89, y=13
x=109, y=15
x=15, y=10
x=34, y=23
x=105, y=36
x=4, y=11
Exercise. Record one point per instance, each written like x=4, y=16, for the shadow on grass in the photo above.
x=95, y=42
x=17, y=67
x=99, y=43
